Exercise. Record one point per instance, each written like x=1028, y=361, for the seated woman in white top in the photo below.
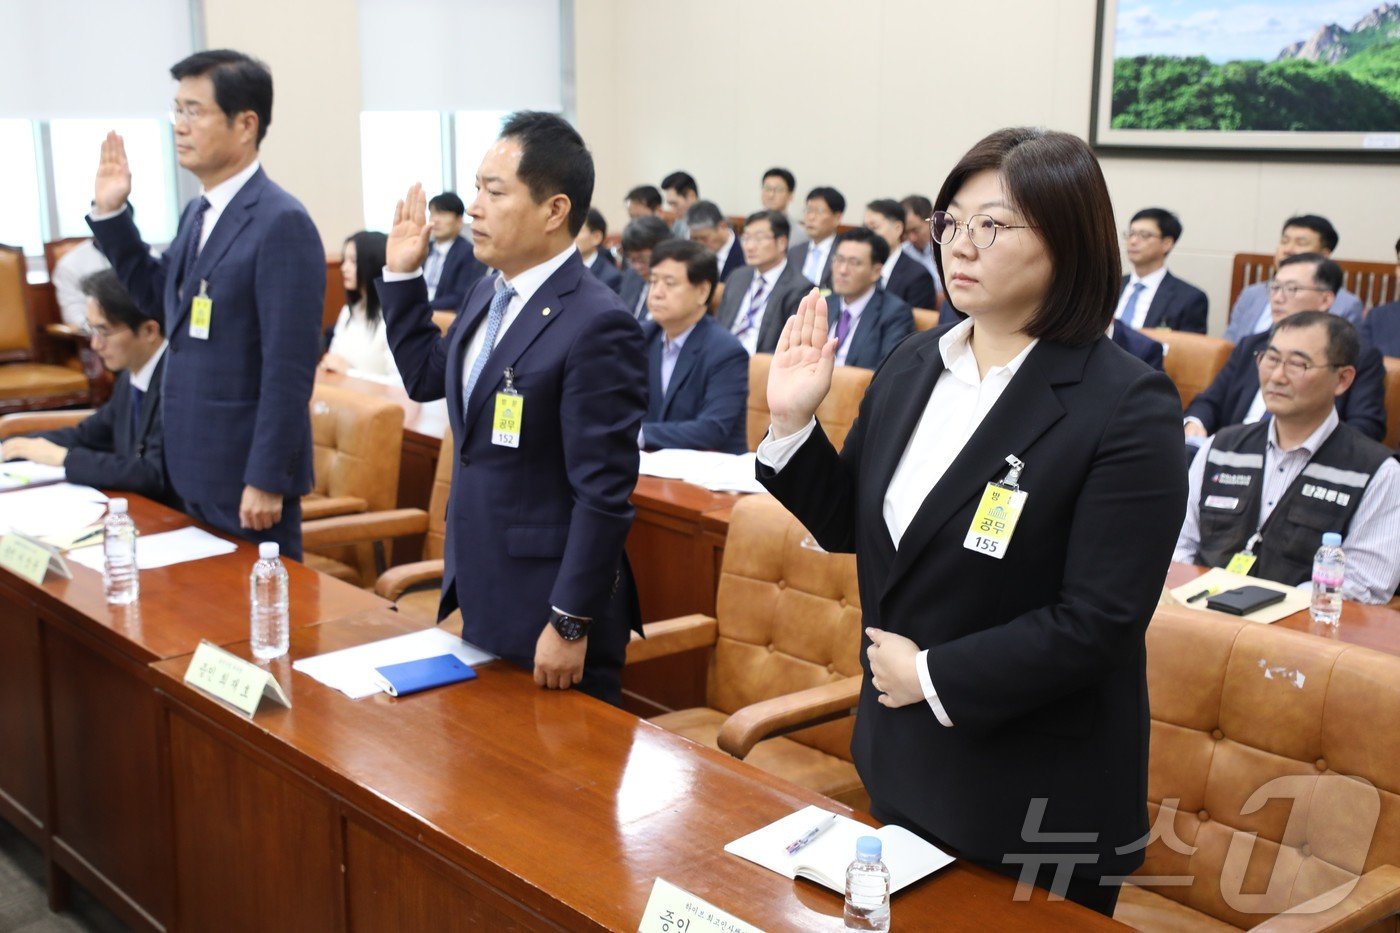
x=358, y=340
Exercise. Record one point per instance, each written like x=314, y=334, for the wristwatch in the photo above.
x=570, y=628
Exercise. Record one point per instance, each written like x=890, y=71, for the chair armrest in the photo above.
x=396, y=581
x=30, y=422
x=671, y=637
x=788, y=713
x=332, y=505
x=1375, y=897
x=362, y=528
x=64, y=332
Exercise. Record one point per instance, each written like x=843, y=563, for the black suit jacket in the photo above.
x=1227, y=399
x=911, y=281
x=885, y=321
x=732, y=262
x=109, y=450
x=1381, y=328
x=602, y=266
x=786, y=295
x=1138, y=344
x=1038, y=658
x=630, y=290
x=460, y=270
x=1177, y=304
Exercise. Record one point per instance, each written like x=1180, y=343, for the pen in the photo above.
x=1208, y=591
x=801, y=841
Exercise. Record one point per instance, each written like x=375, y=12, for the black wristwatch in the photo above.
x=570, y=628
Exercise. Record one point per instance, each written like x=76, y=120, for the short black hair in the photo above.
x=240, y=81
x=448, y=202
x=680, y=182
x=830, y=196
x=918, y=205
x=704, y=214
x=701, y=265
x=1319, y=225
x=879, y=249
x=117, y=306
x=785, y=175
x=369, y=264
x=1168, y=224
x=596, y=222
x=553, y=160
x=645, y=233
x=1326, y=273
x=1343, y=343
x=890, y=208
x=648, y=195
x=777, y=223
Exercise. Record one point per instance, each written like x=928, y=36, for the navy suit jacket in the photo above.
x=1381, y=328
x=540, y=525
x=1177, y=304
x=460, y=270
x=110, y=450
x=911, y=281
x=1138, y=344
x=886, y=320
x=732, y=262
x=706, y=402
x=1227, y=399
x=630, y=291
x=603, y=268
x=237, y=403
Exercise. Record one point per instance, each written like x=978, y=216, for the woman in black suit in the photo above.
x=1004, y=713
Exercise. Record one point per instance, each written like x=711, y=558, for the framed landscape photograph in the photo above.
x=1319, y=78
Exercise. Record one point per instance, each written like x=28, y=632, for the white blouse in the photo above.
x=364, y=345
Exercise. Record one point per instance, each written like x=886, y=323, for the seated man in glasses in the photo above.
x=119, y=445
x=1303, y=282
x=1307, y=233
x=1273, y=488
x=1151, y=295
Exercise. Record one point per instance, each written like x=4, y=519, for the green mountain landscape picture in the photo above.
x=1333, y=78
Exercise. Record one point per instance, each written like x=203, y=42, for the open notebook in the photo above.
x=825, y=859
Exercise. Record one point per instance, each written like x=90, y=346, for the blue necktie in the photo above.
x=1130, y=309
x=493, y=327
x=196, y=232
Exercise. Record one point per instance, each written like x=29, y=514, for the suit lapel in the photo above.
x=897, y=418
x=684, y=364
x=739, y=285
x=231, y=222
x=474, y=308
x=1160, y=300
x=149, y=403
x=866, y=332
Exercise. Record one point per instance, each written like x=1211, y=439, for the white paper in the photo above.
x=17, y=474
x=719, y=472
x=162, y=550
x=51, y=510
x=352, y=670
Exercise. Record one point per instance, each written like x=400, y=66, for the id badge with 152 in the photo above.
x=509, y=415
x=201, y=313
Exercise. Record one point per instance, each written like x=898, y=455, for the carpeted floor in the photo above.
x=24, y=904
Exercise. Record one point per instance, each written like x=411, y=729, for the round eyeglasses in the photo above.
x=981, y=228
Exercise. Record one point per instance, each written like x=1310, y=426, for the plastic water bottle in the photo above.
x=120, y=576
x=1329, y=569
x=868, y=888
x=267, y=595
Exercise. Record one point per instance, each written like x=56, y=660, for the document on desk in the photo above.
x=21, y=474
x=710, y=469
x=353, y=671
x=50, y=510
x=162, y=550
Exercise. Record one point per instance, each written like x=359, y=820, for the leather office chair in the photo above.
x=924, y=319
x=1392, y=401
x=784, y=670
x=26, y=382
x=30, y=422
x=415, y=587
x=1192, y=359
x=835, y=414
x=1235, y=706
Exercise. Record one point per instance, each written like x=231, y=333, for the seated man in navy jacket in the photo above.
x=596, y=257
x=1152, y=296
x=901, y=275
x=866, y=320
x=709, y=228
x=1381, y=329
x=699, y=372
x=119, y=445
x=638, y=239
x=1138, y=344
x=1304, y=282
x=452, y=267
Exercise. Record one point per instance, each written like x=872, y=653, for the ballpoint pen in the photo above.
x=801, y=841
x=1208, y=591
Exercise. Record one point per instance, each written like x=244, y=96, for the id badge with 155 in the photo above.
x=997, y=513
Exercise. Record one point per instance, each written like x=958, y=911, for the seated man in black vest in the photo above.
x=119, y=445
x=1273, y=487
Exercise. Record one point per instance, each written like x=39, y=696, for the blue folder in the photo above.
x=415, y=676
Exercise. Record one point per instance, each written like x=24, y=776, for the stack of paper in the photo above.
x=353, y=672
x=17, y=474
x=48, y=510
x=162, y=550
x=716, y=471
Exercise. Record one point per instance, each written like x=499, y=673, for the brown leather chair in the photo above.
x=31, y=422
x=924, y=319
x=836, y=413
x=25, y=381
x=1192, y=359
x=54, y=250
x=784, y=670
x=1236, y=705
x=1392, y=401
x=415, y=587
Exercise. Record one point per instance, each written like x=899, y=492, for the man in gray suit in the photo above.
x=761, y=296
x=1307, y=233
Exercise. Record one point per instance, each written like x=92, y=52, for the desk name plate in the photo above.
x=28, y=558
x=227, y=677
x=674, y=910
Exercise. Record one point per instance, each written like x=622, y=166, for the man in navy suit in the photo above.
x=1304, y=282
x=242, y=287
x=1152, y=296
x=1138, y=344
x=901, y=275
x=699, y=372
x=545, y=377
x=595, y=255
x=452, y=268
x=119, y=445
x=709, y=228
x=638, y=239
x=866, y=320
x=821, y=221
x=1381, y=328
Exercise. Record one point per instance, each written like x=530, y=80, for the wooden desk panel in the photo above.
x=674, y=563
x=23, y=773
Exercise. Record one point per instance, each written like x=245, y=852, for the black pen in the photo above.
x=1208, y=591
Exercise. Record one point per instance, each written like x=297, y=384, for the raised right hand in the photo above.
x=800, y=375
x=407, y=247
x=113, y=184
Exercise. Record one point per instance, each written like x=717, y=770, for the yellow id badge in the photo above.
x=510, y=411
x=1241, y=563
x=201, y=313
x=995, y=521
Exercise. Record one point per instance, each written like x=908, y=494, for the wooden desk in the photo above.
x=490, y=804
x=675, y=556
x=81, y=748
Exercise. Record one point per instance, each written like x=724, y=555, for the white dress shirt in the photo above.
x=888, y=268
x=855, y=307
x=141, y=378
x=1372, y=543
x=722, y=256
x=749, y=337
x=437, y=255
x=1150, y=283
x=219, y=197
x=960, y=400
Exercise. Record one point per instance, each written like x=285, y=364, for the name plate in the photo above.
x=22, y=555
x=239, y=683
x=673, y=910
